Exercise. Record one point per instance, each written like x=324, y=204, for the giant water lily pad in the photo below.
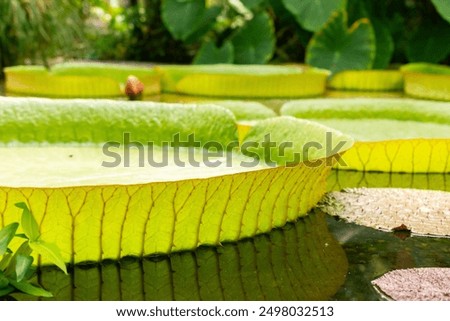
x=392, y=135
x=418, y=211
x=243, y=80
x=101, y=201
x=367, y=80
x=302, y=261
x=78, y=80
x=421, y=284
x=428, y=81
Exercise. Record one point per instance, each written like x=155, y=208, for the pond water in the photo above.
x=317, y=258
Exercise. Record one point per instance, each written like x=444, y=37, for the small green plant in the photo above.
x=16, y=267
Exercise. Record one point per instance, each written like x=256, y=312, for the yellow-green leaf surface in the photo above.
x=392, y=135
x=367, y=80
x=427, y=81
x=302, y=261
x=243, y=80
x=52, y=154
x=78, y=80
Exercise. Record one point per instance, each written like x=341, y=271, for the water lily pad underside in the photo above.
x=265, y=81
x=392, y=135
x=53, y=152
x=80, y=80
x=419, y=284
x=419, y=211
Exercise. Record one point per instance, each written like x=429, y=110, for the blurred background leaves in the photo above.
x=226, y=31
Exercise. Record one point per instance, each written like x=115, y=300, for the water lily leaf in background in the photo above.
x=443, y=7
x=302, y=261
x=97, y=201
x=313, y=14
x=367, y=80
x=419, y=211
x=183, y=18
x=339, y=180
x=420, y=284
x=210, y=54
x=255, y=42
x=336, y=47
x=78, y=80
x=267, y=81
x=392, y=135
x=6, y=235
x=429, y=81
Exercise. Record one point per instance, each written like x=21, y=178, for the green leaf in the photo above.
x=210, y=54
x=29, y=224
x=4, y=282
x=6, y=235
x=430, y=43
x=183, y=18
x=443, y=7
x=4, y=263
x=384, y=44
x=50, y=252
x=337, y=48
x=313, y=14
x=30, y=289
x=255, y=42
x=5, y=291
x=23, y=264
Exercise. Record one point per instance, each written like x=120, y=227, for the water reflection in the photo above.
x=302, y=261
x=340, y=179
x=371, y=253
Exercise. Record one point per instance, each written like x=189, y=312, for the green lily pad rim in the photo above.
x=426, y=68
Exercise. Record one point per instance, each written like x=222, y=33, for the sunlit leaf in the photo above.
x=367, y=80
x=78, y=80
x=50, y=253
x=243, y=80
x=6, y=235
x=30, y=289
x=428, y=81
x=419, y=284
x=28, y=222
x=336, y=47
x=23, y=264
x=419, y=211
x=93, y=212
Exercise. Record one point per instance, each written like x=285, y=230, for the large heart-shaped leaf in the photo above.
x=77, y=164
x=392, y=135
x=312, y=14
x=255, y=42
x=210, y=54
x=337, y=48
x=183, y=18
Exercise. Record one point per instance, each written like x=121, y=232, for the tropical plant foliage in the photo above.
x=16, y=268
